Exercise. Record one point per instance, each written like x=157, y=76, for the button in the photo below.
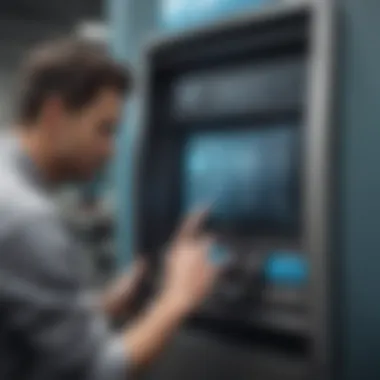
x=286, y=268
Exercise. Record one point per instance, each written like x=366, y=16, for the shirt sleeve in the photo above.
x=45, y=300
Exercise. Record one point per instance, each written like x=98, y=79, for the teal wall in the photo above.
x=131, y=23
x=359, y=73
x=182, y=14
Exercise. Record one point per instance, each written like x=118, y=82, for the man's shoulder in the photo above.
x=21, y=203
x=32, y=238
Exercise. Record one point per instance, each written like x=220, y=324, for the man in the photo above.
x=72, y=96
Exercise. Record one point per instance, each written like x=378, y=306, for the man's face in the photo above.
x=84, y=140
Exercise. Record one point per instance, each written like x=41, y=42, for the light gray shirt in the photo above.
x=49, y=329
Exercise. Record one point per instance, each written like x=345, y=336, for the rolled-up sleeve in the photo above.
x=45, y=304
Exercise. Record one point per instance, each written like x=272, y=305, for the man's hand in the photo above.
x=188, y=278
x=189, y=274
x=119, y=296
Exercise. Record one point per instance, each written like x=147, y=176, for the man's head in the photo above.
x=71, y=100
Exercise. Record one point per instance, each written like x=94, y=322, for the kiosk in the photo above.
x=238, y=119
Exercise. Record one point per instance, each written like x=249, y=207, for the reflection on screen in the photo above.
x=248, y=177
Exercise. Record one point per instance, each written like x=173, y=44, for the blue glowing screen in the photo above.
x=245, y=177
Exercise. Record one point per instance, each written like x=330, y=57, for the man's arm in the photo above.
x=44, y=301
x=117, y=298
x=188, y=277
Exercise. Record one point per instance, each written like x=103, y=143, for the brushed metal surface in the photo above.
x=193, y=355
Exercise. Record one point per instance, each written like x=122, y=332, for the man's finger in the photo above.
x=141, y=264
x=192, y=224
x=207, y=244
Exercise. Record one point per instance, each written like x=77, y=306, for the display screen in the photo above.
x=248, y=179
x=247, y=89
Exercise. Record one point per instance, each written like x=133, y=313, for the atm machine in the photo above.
x=237, y=117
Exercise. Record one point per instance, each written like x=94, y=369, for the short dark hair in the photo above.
x=73, y=69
